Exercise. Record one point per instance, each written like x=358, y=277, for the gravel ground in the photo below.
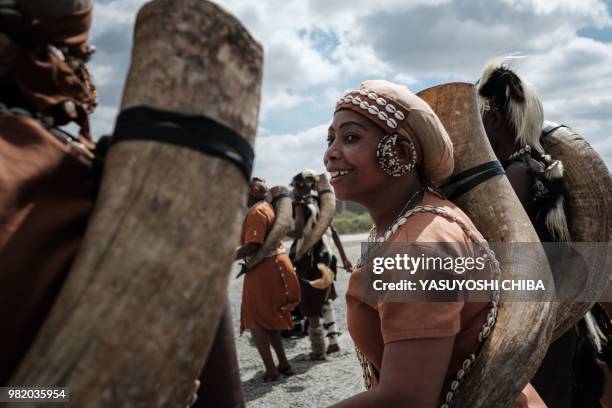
x=316, y=383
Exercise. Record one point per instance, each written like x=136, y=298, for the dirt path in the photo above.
x=316, y=384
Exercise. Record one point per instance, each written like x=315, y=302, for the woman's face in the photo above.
x=350, y=157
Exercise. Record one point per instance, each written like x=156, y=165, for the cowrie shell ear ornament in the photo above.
x=389, y=161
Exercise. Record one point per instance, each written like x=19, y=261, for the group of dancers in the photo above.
x=289, y=293
x=386, y=150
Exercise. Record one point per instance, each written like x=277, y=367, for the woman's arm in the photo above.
x=412, y=375
x=298, y=224
x=220, y=373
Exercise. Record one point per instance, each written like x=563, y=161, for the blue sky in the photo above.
x=314, y=50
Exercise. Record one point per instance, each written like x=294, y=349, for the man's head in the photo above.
x=512, y=113
x=303, y=183
x=258, y=190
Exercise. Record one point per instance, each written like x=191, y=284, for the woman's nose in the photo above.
x=331, y=153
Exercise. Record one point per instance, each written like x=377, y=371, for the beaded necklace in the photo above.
x=395, y=224
x=520, y=152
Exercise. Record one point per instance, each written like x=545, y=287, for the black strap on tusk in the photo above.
x=192, y=131
x=278, y=197
x=325, y=191
x=483, y=173
x=550, y=127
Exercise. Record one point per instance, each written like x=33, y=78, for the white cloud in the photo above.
x=574, y=80
x=604, y=148
x=280, y=157
x=280, y=101
x=315, y=50
x=114, y=14
x=594, y=11
x=292, y=64
x=104, y=73
x=292, y=61
x=104, y=120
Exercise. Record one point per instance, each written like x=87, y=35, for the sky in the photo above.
x=315, y=50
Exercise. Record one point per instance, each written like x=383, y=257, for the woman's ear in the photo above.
x=407, y=148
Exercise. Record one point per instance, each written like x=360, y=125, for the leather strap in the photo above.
x=192, y=131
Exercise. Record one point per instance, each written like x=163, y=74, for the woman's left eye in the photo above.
x=350, y=138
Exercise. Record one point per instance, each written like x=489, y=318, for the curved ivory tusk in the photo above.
x=281, y=201
x=326, y=279
x=327, y=209
x=587, y=204
x=138, y=313
x=512, y=354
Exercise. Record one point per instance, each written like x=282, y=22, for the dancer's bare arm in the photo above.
x=521, y=181
x=298, y=223
x=345, y=261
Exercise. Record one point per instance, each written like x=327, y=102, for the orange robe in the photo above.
x=271, y=289
x=46, y=195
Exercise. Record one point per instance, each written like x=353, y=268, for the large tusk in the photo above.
x=589, y=218
x=326, y=279
x=327, y=200
x=513, y=352
x=281, y=201
x=137, y=315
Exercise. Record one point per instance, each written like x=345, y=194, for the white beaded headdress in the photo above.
x=389, y=115
x=398, y=111
x=388, y=112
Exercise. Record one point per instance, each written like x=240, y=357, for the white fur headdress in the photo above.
x=501, y=88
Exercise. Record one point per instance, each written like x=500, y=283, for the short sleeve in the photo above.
x=256, y=227
x=435, y=236
x=414, y=320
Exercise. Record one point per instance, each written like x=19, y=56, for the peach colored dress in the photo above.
x=271, y=289
x=372, y=325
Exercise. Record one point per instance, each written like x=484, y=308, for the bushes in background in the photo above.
x=348, y=222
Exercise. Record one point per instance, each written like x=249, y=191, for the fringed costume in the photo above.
x=315, y=302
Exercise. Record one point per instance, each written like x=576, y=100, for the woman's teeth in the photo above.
x=339, y=173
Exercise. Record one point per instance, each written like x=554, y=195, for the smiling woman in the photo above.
x=385, y=147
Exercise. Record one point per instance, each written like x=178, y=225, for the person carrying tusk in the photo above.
x=271, y=289
x=317, y=267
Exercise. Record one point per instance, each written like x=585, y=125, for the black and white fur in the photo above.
x=502, y=88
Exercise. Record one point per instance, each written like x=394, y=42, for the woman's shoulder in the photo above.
x=431, y=226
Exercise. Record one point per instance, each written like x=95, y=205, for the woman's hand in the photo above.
x=347, y=265
x=529, y=398
x=193, y=396
x=246, y=250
